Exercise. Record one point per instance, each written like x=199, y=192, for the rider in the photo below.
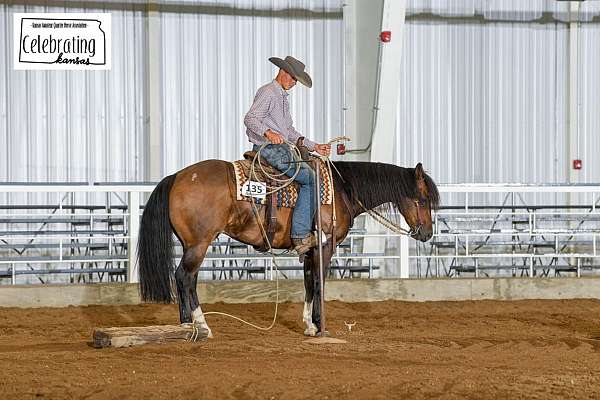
x=269, y=121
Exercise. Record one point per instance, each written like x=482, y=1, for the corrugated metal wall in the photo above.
x=74, y=125
x=589, y=101
x=93, y=126
x=484, y=103
x=484, y=100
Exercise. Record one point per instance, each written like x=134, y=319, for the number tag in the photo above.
x=254, y=189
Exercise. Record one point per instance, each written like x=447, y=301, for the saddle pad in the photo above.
x=286, y=197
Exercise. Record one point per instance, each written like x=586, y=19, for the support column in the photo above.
x=572, y=92
x=362, y=24
x=372, y=89
x=573, y=115
x=153, y=48
x=384, y=137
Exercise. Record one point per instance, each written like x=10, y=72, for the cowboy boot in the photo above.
x=302, y=246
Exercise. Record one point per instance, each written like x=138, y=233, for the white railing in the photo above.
x=491, y=228
x=129, y=198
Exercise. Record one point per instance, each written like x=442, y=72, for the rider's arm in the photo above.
x=257, y=113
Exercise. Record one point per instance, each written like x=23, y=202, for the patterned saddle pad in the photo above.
x=286, y=197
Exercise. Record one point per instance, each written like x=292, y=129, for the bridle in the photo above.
x=417, y=229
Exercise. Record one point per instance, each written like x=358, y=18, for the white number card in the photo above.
x=254, y=189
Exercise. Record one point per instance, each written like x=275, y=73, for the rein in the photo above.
x=391, y=225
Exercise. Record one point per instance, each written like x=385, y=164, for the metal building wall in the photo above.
x=502, y=108
x=74, y=125
x=589, y=101
x=484, y=103
x=93, y=126
x=485, y=91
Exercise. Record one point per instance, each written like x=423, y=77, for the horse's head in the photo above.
x=417, y=210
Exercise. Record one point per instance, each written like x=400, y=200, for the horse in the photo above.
x=199, y=202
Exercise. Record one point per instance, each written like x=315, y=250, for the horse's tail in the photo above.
x=155, y=246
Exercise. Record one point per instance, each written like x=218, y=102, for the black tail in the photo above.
x=155, y=246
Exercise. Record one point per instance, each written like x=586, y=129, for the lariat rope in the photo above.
x=284, y=182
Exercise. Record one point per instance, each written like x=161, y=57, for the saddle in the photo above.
x=286, y=197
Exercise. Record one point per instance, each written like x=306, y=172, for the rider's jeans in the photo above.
x=279, y=155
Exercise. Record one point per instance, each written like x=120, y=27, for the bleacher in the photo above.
x=89, y=243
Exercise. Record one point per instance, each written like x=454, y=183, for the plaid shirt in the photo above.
x=270, y=110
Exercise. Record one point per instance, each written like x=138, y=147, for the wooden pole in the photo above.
x=139, y=335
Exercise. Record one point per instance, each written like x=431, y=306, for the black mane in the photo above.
x=375, y=184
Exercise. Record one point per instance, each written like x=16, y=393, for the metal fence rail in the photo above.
x=525, y=234
x=88, y=233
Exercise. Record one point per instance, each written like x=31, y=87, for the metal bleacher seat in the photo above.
x=32, y=240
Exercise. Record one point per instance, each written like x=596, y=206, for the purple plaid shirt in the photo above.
x=270, y=110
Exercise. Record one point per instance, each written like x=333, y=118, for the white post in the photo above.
x=404, y=272
x=134, y=227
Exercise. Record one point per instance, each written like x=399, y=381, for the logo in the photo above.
x=65, y=41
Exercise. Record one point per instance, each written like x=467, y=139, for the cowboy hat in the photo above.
x=293, y=67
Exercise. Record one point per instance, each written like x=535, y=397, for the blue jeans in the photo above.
x=278, y=155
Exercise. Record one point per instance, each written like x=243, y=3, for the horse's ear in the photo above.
x=419, y=173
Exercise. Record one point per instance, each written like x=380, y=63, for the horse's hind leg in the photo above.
x=186, y=277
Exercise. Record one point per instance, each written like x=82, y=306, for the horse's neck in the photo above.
x=362, y=198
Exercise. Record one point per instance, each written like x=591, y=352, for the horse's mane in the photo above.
x=377, y=183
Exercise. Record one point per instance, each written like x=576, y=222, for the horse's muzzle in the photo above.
x=421, y=233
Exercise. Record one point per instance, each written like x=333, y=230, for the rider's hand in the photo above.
x=323, y=149
x=273, y=137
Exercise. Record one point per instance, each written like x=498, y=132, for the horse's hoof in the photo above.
x=312, y=332
x=199, y=332
x=323, y=334
x=205, y=331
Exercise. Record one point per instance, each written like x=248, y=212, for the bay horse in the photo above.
x=199, y=202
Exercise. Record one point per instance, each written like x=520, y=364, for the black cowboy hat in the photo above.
x=293, y=67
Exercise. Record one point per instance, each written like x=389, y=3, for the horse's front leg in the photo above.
x=311, y=328
x=316, y=310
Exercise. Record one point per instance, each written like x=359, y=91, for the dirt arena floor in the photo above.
x=441, y=350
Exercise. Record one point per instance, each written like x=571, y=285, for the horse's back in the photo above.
x=202, y=192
